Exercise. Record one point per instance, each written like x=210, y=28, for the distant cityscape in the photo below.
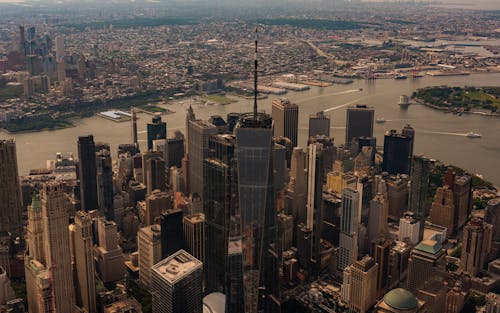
x=237, y=213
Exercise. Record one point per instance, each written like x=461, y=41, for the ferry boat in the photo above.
x=400, y=76
x=380, y=120
x=473, y=135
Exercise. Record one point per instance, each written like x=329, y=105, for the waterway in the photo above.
x=438, y=135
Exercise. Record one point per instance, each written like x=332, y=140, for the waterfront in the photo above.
x=438, y=135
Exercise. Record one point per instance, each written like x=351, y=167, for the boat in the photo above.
x=400, y=76
x=473, y=135
x=380, y=120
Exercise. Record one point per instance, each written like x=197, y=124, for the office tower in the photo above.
x=176, y=150
x=199, y=133
x=84, y=262
x=254, y=147
x=419, y=187
x=156, y=130
x=177, y=284
x=349, y=223
x=377, y=219
x=34, y=236
x=492, y=216
x=285, y=231
x=28, y=86
x=286, y=119
x=61, y=72
x=455, y=299
x=298, y=186
x=319, y=124
x=369, y=142
x=398, y=263
x=105, y=184
x=39, y=286
x=87, y=173
x=156, y=202
x=381, y=250
x=398, y=152
x=6, y=291
x=194, y=235
x=155, y=174
x=59, y=48
x=476, y=245
x=56, y=241
x=172, y=238
x=234, y=279
x=409, y=228
x=462, y=196
x=109, y=255
x=360, y=284
x=220, y=196
x=328, y=150
x=133, y=118
x=397, y=196
x=423, y=263
x=232, y=120
x=145, y=157
x=315, y=201
x=161, y=145
x=10, y=190
x=359, y=122
x=442, y=210
x=492, y=303
x=149, y=248
x=22, y=40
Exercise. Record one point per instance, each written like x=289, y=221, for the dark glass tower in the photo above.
x=319, y=124
x=419, y=189
x=156, y=130
x=172, y=236
x=286, y=119
x=398, y=152
x=359, y=122
x=87, y=173
x=105, y=184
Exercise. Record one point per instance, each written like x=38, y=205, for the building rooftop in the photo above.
x=195, y=218
x=401, y=299
x=429, y=246
x=177, y=266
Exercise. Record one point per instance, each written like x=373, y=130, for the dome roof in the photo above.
x=401, y=299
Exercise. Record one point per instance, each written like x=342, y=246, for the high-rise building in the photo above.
x=442, y=210
x=349, y=223
x=10, y=189
x=172, y=238
x=368, y=142
x=397, y=196
x=319, y=124
x=359, y=122
x=423, y=263
x=105, y=184
x=419, y=187
x=175, y=150
x=39, y=286
x=109, y=255
x=87, y=173
x=254, y=151
x=492, y=303
x=56, y=241
x=297, y=187
x=381, y=250
x=6, y=291
x=462, y=195
x=155, y=174
x=156, y=202
x=455, y=299
x=360, y=284
x=476, y=245
x=177, y=284
x=194, y=235
x=156, y=130
x=315, y=201
x=149, y=248
x=398, y=151
x=59, y=48
x=34, y=236
x=409, y=228
x=377, y=218
x=84, y=262
x=398, y=263
x=199, y=133
x=286, y=119
x=220, y=196
x=492, y=216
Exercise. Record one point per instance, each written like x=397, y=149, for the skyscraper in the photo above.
x=59, y=48
x=398, y=151
x=443, y=209
x=409, y=228
x=297, y=188
x=105, y=184
x=476, y=245
x=84, y=262
x=87, y=173
x=381, y=250
x=319, y=124
x=56, y=241
x=109, y=255
x=315, y=201
x=10, y=190
x=34, y=236
x=377, y=218
x=349, y=223
x=423, y=263
x=155, y=174
x=360, y=284
x=177, y=284
x=172, y=238
x=149, y=248
x=194, y=235
x=286, y=119
x=156, y=130
x=359, y=122
x=419, y=187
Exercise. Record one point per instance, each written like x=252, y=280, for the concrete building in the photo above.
x=476, y=246
x=10, y=189
x=286, y=119
x=455, y=299
x=350, y=221
x=443, y=209
x=194, y=235
x=149, y=248
x=409, y=228
x=492, y=303
x=156, y=202
x=109, y=255
x=6, y=291
x=360, y=284
x=34, y=236
x=177, y=284
x=297, y=188
x=39, y=286
x=424, y=263
x=377, y=218
x=84, y=262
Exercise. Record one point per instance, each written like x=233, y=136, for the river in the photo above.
x=438, y=135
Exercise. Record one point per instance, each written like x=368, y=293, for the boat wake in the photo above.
x=329, y=94
x=343, y=105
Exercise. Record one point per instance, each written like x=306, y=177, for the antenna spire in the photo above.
x=255, y=91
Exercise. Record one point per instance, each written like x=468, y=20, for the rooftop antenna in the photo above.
x=255, y=91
